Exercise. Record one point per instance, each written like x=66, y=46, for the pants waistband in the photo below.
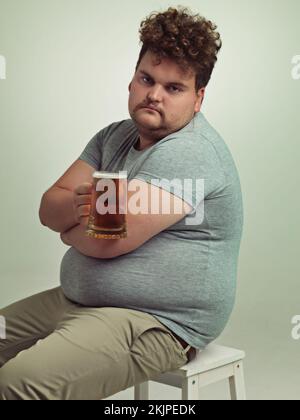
x=188, y=349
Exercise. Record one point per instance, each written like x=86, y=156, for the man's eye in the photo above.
x=146, y=79
x=174, y=89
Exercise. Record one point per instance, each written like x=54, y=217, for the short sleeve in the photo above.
x=92, y=153
x=188, y=169
x=95, y=150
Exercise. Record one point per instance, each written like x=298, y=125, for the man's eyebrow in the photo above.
x=170, y=83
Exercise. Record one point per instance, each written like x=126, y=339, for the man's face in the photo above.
x=166, y=89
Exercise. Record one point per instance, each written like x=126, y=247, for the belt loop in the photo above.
x=187, y=349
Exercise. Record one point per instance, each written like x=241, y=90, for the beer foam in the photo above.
x=110, y=175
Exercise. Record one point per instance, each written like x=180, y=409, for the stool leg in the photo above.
x=190, y=388
x=141, y=391
x=237, y=383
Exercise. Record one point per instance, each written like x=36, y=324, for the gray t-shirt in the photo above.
x=186, y=275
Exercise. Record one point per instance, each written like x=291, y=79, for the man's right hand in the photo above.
x=82, y=202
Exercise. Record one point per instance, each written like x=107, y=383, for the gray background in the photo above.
x=69, y=63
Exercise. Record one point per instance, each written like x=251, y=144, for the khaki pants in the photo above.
x=56, y=349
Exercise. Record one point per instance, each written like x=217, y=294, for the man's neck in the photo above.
x=143, y=144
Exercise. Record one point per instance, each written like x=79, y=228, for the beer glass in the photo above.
x=107, y=219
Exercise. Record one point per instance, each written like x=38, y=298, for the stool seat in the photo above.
x=210, y=365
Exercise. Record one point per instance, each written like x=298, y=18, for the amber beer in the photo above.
x=107, y=219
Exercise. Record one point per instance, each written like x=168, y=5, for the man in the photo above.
x=129, y=309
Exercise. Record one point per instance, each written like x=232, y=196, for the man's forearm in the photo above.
x=56, y=210
x=97, y=248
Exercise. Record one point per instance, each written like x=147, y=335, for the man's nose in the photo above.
x=155, y=93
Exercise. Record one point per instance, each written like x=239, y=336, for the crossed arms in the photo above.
x=58, y=214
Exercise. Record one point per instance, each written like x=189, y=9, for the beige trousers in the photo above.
x=55, y=349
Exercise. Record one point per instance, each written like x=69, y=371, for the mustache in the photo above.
x=147, y=105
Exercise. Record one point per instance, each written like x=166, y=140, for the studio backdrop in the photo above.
x=65, y=66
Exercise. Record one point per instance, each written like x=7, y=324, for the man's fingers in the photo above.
x=84, y=211
x=85, y=188
x=80, y=200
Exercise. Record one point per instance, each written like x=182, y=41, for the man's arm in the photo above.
x=140, y=227
x=97, y=248
x=65, y=208
x=56, y=210
x=57, y=204
x=58, y=213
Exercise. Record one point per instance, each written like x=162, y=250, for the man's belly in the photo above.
x=149, y=278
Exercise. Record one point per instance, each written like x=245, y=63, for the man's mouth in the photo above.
x=150, y=109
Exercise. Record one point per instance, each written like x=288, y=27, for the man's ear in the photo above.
x=200, y=94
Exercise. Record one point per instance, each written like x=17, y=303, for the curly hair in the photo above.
x=189, y=40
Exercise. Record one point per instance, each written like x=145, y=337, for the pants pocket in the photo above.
x=155, y=351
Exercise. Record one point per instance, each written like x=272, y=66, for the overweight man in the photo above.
x=128, y=309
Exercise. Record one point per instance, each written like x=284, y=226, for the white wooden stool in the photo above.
x=210, y=365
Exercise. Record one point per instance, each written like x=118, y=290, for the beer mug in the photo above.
x=107, y=219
